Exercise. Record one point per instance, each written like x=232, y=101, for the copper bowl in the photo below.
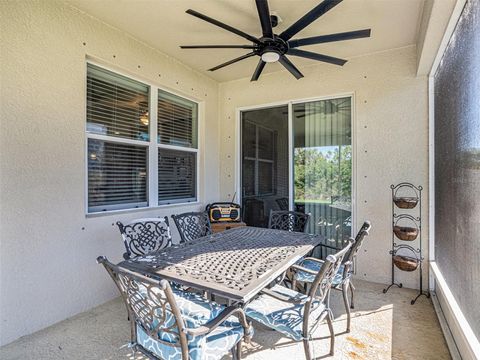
x=405, y=233
x=405, y=263
x=405, y=202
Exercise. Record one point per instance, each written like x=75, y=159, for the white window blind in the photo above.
x=117, y=175
x=120, y=150
x=177, y=120
x=116, y=106
x=176, y=176
x=177, y=158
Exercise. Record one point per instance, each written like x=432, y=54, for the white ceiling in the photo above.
x=164, y=25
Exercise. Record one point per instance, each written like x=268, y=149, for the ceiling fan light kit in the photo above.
x=270, y=56
x=271, y=47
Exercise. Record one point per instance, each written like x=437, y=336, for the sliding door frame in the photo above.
x=289, y=104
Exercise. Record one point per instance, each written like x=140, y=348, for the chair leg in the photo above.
x=332, y=333
x=328, y=299
x=238, y=355
x=352, y=290
x=306, y=347
x=347, y=305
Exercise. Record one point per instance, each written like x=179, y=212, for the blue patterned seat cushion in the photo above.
x=208, y=347
x=282, y=316
x=303, y=276
x=196, y=311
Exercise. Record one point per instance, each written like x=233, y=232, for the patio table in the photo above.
x=236, y=264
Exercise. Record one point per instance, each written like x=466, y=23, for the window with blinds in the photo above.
x=120, y=150
x=117, y=175
x=176, y=176
x=177, y=142
x=177, y=121
x=116, y=105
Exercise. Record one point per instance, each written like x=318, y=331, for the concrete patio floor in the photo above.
x=383, y=327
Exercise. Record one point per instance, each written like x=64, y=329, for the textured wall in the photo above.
x=390, y=136
x=48, y=246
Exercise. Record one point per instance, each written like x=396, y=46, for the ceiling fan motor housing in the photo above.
x=277, y=44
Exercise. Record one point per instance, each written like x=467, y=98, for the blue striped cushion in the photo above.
x=302, y=276
x=196, y=311
x=282, y=316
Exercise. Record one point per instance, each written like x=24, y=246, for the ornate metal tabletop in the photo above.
x=235, y=264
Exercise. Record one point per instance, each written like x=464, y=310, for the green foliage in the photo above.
x=323, y=174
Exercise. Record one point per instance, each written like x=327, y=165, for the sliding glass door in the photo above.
x=320, y=161
x=322, y=158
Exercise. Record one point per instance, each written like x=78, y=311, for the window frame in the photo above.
x=153, y=146
x=257, y=160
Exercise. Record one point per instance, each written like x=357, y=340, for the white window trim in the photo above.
x=152, y=146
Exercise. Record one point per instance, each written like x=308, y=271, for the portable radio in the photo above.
x=223, y=212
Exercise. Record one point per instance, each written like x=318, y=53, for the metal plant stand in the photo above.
x=407, y=228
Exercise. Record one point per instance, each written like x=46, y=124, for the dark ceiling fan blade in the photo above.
x=290, y=67
x=315, y=56
x=309, y=17
x=258, y=70
x=264, y=15
x=232, y=61
x=349, y=35
x=217, y=47
x=223, y=26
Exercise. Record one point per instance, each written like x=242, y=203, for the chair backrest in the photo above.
x=143, y=236
x=192, y=225
x=326, y=274
x=362, y=233
x=288, y=220
x=254, y=212
x=150, y=305
x=282, y=203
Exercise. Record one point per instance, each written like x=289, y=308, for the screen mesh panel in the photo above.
x=457, y=164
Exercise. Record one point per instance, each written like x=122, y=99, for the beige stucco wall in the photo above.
x=48, y=246
x=390, y=137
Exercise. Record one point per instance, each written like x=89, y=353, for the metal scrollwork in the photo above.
x=150, y=304
x=150, y=308
x=144, y=236
x=325, y=277
x=192, y=225
x=288, y=220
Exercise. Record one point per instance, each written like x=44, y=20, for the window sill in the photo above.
x=143, y=209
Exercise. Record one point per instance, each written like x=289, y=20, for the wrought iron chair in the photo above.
x=297, y=315
x=288, y=220
x=171, y=324
x=307, y=268
x=143, y=236
x=192, y=225
x=282, y=203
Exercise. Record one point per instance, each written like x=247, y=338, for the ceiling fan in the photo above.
x=271, y=47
